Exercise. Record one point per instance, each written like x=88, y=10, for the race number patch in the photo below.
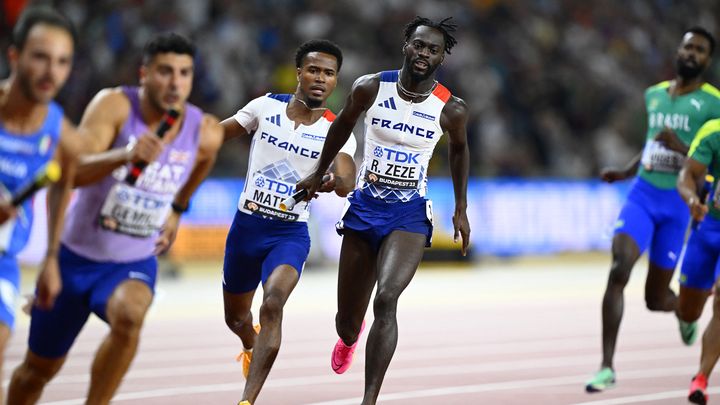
x=134, y=212
x=265, y=194
x=658, y=158
x=394, y=169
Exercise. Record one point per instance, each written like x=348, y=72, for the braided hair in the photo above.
x=444, y=26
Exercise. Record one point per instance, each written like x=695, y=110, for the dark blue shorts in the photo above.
x=9, y=289
x=374, y=219
x=256, y=246
x=700, y=265
x=657, y=219
x=86, y=287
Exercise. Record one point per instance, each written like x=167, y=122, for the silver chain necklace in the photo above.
x=308, y=107
x=412, y=94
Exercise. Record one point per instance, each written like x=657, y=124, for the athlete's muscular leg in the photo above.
x=276, y=291
x=238, y=316
x=398, y=259
x=625, y=253
x=30, y=377
x=4, y=337
x=125, y=313
x=711, y=338
x=690, y=303
x=356, y=280
x=658, y=295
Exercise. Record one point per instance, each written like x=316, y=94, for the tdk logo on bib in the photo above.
x=411, y=129
x=273, y=185
x=396, y=155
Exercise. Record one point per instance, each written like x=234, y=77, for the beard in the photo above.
x=312, y=102
x=416, y=76
x=688, y=71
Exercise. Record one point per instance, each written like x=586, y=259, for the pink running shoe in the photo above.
x=697, y=393
x=343, y=355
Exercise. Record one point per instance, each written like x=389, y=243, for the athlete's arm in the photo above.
x=211, y=138
x=611, y=174
x=363, y=93
x=232, y=129
x=100, y=124
x=343, y=169
x=690, y=180
x=669, y=139
x=453, y=120
x=58, y=197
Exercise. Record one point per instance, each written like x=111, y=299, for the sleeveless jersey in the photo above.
x=280, y=156
x=685, y=115
x=705, y=148
x=400, y=137
x=21, y=157
x=111, y=221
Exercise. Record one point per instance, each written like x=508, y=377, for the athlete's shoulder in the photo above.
x=711, y=90
x=710, y=127
x=455, y=105
x=368, y=81
x=662, y=86
x=111, y=103
x=283, y=98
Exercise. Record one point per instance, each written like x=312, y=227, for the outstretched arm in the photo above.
x=211, y=138
x=454, y=122
x=690, y=180
x=611, y=174
x=362, y=94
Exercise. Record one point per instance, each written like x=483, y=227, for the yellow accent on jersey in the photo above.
x=661, y=85
x=706, y=130
x=710, y=89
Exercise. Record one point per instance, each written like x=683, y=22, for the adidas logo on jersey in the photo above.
x=389, y=103
x=275, y=119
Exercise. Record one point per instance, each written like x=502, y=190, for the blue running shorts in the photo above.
x=374, y=219
x=700, y=265
x=656, y=218
x=256, y=246
x=86, y=287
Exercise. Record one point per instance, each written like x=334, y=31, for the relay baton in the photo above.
x=300, y=195
x=704, y=191
x=50, y=173
x=168, y=120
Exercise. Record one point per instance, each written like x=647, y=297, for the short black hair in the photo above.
x=705, y=33
x=443, y=26
x=318, y=45
x=39, y=15
x=168, y=43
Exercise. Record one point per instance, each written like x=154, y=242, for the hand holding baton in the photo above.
x=289, y=203
x=704, y=191
x=48, y=174
x=168, y=120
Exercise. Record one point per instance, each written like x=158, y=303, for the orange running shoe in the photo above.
x=343, y=355
x=245, y=357
x=698, y=386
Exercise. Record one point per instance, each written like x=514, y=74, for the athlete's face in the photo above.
x=424, y=52
x=44, y=63
x=693, y=55
x=317, y=77
x=167, y=79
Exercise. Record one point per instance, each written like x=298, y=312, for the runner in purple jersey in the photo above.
x=115, y=230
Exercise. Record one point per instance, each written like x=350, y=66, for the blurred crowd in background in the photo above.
x=554, y=86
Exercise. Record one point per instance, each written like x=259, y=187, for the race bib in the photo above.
x=657, y=158
x=134, y=212
x=394, y=169
x=263, y=196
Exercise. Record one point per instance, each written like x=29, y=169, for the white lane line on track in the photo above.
x=645, y=398
x=502, y=365
x=326, y=379
x=511, y=385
